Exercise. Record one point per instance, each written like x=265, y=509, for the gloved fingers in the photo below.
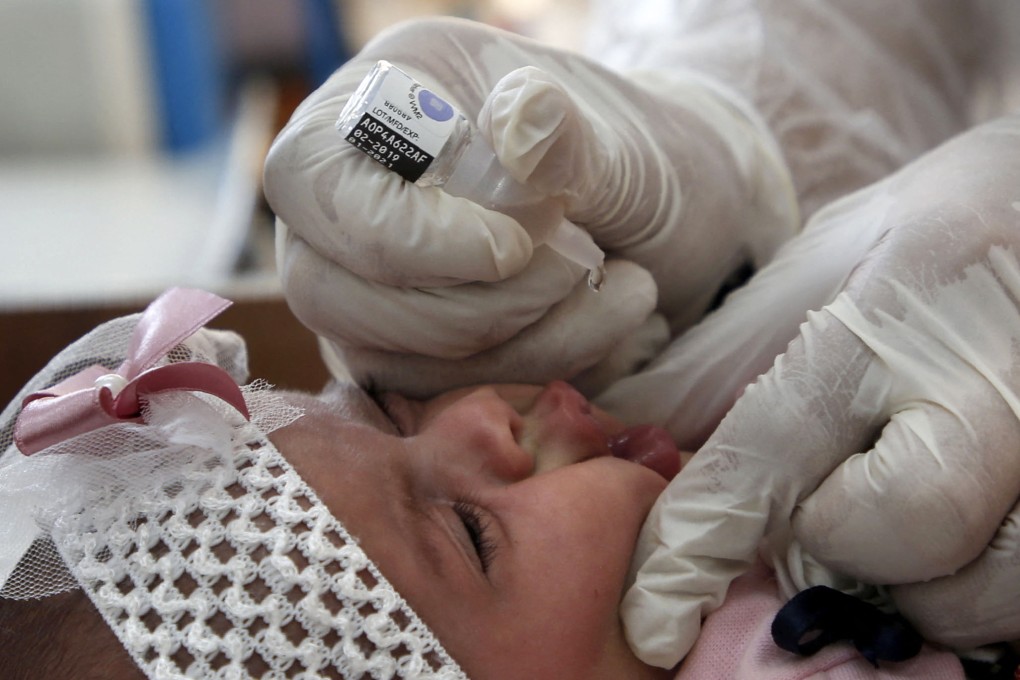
x=943, y=471
x=371, y=221
x=627, y=159
x=367, y=219
x=573, y=335
x=689, y=387
x=788, y=431
x=936, y=485
x=450, y=322
x=979, y=604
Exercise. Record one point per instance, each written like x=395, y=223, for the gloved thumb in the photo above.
x=539, y=132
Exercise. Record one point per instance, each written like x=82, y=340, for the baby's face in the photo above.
x=499, y=513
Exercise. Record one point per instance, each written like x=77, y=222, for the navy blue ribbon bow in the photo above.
x=819, y=616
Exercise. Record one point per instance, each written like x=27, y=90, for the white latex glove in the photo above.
x=884, y=445
x=851, y=90
x=678, y=177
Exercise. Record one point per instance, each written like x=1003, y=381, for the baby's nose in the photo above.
x=491, y=432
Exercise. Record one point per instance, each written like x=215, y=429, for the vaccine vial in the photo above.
x=420, y=136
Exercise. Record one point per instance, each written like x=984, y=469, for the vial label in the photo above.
x=404, y=126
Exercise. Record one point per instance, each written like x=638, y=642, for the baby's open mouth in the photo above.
x=649, y=446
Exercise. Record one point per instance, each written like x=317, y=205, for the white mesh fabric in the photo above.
x=204, y=551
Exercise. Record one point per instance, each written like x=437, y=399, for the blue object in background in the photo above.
x=190, y=78
x=324, y=42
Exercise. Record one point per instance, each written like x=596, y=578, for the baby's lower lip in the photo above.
x=649, y=446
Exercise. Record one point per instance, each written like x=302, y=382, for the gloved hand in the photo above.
x=884, y=445
x=671, y=172
x=849, y=102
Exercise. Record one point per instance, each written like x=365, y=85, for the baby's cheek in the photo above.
x=588, y=515
x=572, y=532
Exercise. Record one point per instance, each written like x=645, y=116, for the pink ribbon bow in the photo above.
x=94, y=397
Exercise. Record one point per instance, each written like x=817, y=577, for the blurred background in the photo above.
x=132, y=137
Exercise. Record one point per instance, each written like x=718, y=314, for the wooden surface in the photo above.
x=280, y=349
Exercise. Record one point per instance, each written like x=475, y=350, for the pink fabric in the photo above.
x=736, y=644
x=79, y=404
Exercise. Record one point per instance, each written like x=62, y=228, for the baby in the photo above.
x=504, y=516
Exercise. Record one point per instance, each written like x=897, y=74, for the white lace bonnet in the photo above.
x=152, y=485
